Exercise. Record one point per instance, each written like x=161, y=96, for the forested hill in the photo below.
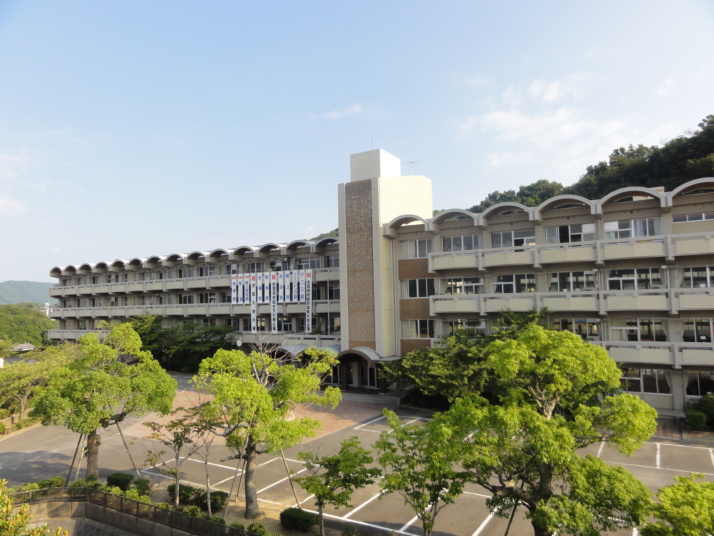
x=24, y=292
x=682, y=159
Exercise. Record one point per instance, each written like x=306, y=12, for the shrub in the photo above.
x=163, y=506
x=134, y=495
x=239, y=528
x=258, y=529
x=188, y=495
x=298, y=519
x=30, y=486
x=349, y=530
x=706, y=406
x=86, y=483
x=52, y=482
x=2, y=428
x=4, y=413
x=696, y=419
x=120, y=480
x=218, y=500
x=218, y=519
x=191, y=510
x=142, y=485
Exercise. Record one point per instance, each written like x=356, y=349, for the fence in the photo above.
x=124, y=505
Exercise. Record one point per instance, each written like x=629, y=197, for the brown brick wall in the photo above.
x=414, y=308
x=414, y=269
x=360, y=262
x=407, y=345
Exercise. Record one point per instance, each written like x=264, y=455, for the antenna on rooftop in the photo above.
x=411, y=165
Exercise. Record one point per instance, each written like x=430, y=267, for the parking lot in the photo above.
x=655, y=464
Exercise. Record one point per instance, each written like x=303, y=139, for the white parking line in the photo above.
x=210, y=463
x=477, y=494
x=365, y=503
x=280, y=481
x=483, y=525
x=409, y=524
x=599, y=451
x=369, y=422
x=658, y=455
x=711, y=455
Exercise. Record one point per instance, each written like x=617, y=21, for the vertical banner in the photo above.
x=281, y=286
x=240, y=294
x=273, y=302
x=253, y=304
x=308, y=301
x=302, y=286
x=246, y=288
x=259, y=287
x=234, y=284
x=295, y=286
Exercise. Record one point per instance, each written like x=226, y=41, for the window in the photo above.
x=185, y=272
x=699, y=383
x=697, y=216
x=285, y=323
x=635, y=279
x=207, y=271
x=572, y=281
x=451, y=326
x=254, y=267
x=462, y=285
x=508, y=239
x=646, y=381
x=633, y=228
x=334, y=324
x=185, y=299
x=697, y=277
x=417, y=329
x=563, y=234
x=587, y=328
x=459, y=243
x=514, y=283
x=332, y=261
x=697, y=330
x=207, y=297
x=415, y=249
x=208, y=322
x=417, y=288
x=333, y=293
x=308, y=263
x=639, y=330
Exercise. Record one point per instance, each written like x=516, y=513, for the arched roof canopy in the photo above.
x=215, y=255
x=367, y=354
x=508, y=206
x=135, y=264
x=455, y=214
x=195, y=257
x=154, y=262
x=705, y=183
x=292, y=246
x=118, y=265
x=324, y=242
x=57, y=272
x=173, y=259
x=563, y=201
x=242, y=250
x=631, y=191
x=85, y=269
x=267, y=248
x=404, y=219
x=101, y=267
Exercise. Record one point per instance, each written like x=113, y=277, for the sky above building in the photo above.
x=134, y=128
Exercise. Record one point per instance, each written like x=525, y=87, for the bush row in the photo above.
x=191, y=496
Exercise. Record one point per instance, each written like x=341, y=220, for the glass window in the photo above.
x=586, y=328
x=697, y=330
x=646, y=381
x=459, y=243
x=639, y=330
x=417, y=329
x=514, y=283
x=572, y=281
x=418, y=288
x=697, y=277
x=635, y=279
x=451, y=326
x=562, y=234
x=507, y=239
x=415, y=249
x=699, y=383
x=637, y=228
x=461, y=285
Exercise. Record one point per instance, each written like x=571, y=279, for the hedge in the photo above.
x=298, y=519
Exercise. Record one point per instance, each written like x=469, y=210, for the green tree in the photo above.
x=19, y=380
x=112, y=379
x=177, y=435
x=333, y=479
x=24, y=322
x=684, y=509
x=254, y=396
x=15, y=524
x=559, y=394
x=419, y=464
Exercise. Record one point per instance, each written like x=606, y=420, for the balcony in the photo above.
x=571, y=301
x=457, y=303
x=508, y=257
x=696, y=299
x=576, y=252
x=638, y=300
x=454, y=260
x=645, y=353
x=634, y=248
x=514, y=302
x=697, y=354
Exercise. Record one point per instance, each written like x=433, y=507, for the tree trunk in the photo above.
x=540, y=531
x=252, y=508
x=93, y=442
x=322, y=519
x=208, y=487
x=178, y=485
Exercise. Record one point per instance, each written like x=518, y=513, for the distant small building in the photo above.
x=24, y=347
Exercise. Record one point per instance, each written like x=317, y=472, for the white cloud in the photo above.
x=348, y=111
x=14, y=163
x=665, y=88
x=9, y=206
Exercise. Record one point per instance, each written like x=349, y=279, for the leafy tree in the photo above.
x=19, y=380
x=684, y=509
x=181, y=347
x=333, y=479
x=16, y=524
x=456, y=366
x=253, y=397
x=530, y=195
x=559, y=394
x=419, y=464
x=177, y=435
x=24, y=323
x=111, y=380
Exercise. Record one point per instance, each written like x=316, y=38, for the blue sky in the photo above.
x=135, y=128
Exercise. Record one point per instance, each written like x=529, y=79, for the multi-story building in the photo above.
x=632, y=272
